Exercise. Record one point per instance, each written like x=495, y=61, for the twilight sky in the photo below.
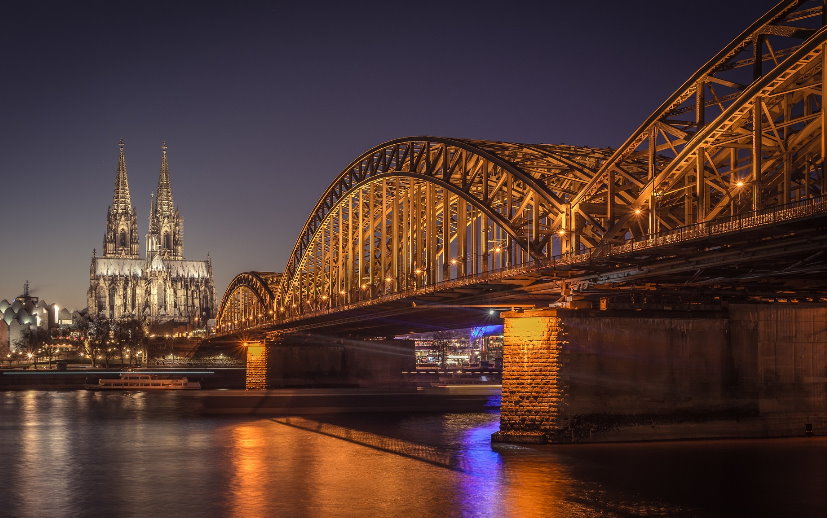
x=262, y=104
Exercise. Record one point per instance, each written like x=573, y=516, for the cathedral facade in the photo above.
x=160, y=287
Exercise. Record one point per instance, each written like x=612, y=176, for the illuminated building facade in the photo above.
x=162, y=286
x=27, y=313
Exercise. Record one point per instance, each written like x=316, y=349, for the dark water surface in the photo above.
x=78, y=454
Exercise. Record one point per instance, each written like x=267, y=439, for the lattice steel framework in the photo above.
x=743, y=133
x=425, y=210
x=247, y=301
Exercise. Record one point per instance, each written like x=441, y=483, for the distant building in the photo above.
x=27, y=312
x=162, y=286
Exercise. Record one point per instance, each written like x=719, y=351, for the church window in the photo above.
x=112, y=302
x=122, y=239
x=167, y=241
x=101, y=299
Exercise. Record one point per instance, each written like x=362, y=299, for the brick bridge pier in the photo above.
x=746, y=370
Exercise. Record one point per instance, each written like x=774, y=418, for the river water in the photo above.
x=78, y=453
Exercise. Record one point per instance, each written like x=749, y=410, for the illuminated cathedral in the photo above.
x=160, y=287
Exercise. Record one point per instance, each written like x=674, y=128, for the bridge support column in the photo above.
x=744, y=370
x=307, y=360
x=257, y=365
x=532, y=392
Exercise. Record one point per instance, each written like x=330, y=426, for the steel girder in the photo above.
x=422, y=210
x=248, y=300
x=703, y=155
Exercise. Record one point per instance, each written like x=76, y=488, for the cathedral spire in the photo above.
x=121, y=200
x=166, y=223
x=163, y=196
x=121, y=237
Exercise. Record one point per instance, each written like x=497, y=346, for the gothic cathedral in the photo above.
x=161, y=287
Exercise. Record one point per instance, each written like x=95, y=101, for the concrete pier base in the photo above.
x=308, y=361
x=586, y=375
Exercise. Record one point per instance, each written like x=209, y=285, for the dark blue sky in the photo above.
x=264, y=103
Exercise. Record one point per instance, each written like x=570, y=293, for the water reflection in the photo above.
x=91, y=454
x=411, y=450
x=483, y=490
x=248, y=490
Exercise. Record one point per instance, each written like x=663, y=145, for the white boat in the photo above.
x=141, y=381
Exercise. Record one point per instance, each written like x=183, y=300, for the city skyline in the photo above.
x=263, y=105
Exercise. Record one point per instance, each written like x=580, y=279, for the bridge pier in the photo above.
x=310, y=360
x=257, y=364
x=745, y=370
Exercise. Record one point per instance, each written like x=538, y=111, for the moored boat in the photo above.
x=142, y=381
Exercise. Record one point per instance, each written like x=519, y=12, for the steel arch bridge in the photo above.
x=739, y=139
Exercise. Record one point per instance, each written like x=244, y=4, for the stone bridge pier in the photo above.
x=745, y=370
x=310, y=360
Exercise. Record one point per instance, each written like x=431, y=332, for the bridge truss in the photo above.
x=744, y=134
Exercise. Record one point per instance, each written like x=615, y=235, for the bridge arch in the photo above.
x=247, y=301
x=699, y=145
x=422, y=210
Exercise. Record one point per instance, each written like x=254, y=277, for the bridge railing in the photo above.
x=720, y=226
x=725, y=225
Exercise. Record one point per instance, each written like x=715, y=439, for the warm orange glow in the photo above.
x=248, y=491
x=453, y=261
x=739, y=183
x=324, y=297
x=418, y=271
x=561, y=232
x=254, y=349
x=528, y=328
x=638, y=211
x=388, y=279
x=364, y=286
x=343, y=292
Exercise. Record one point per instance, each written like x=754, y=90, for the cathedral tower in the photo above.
x=165, y=223
x=121, y=238
x=162, y=288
